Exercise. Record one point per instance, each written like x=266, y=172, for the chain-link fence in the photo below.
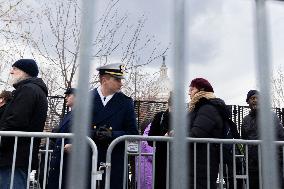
x=145, y=111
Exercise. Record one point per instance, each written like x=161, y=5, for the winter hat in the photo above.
x=201, y=84
x=251, y=93
x=70, y=91
x=27, y=65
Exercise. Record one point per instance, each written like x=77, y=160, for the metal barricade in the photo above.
x=45, y=155
x=134, y=151
x=231, y=176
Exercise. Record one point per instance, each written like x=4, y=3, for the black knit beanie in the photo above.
x=27, y=65
x=251, y=93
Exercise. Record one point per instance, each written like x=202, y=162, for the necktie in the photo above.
x=105, y=98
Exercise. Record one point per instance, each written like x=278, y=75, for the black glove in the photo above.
x=104, y=133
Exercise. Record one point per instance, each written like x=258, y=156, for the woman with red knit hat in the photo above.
x=206, y=121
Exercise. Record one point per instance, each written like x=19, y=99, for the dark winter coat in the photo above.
x=2, y=109
x=250, y=131
x=54, y=172
x=159, y=127
x=26, y=112
x=120, y=116
x=206, y=122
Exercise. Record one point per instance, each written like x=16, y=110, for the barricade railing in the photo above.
x=42, y=153
x=236, y=177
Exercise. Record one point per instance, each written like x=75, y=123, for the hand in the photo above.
x=170, y=133
x=104, y=133
x=68, y=148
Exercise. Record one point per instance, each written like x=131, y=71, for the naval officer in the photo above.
x=113, y=116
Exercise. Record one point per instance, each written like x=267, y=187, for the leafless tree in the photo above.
x=116, y=36
x=52, y=36
x=54, y=39
x=278, y=88
x=12, y=14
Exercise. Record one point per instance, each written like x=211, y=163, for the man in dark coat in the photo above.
x=5, y=98
x=26, y=112
x=250, y=131
x=64, y=127
x=205, y=122
x=113, y=116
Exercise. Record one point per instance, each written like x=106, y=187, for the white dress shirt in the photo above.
x=104, y=99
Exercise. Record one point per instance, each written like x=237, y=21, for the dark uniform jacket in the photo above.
x=27, y=112
x=206, y=122
x=54, y=172
x=120, y=116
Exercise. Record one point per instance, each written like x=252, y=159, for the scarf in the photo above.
x=198, y=96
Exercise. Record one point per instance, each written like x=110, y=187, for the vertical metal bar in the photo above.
x=194, y=165
x=125, y=167
x=208, y=165
x=221, y=177
x=139, y=166
x=49, y=152
x=268, y=148
x=282, y=160
x=247, y=168
x=259, y=166
x=94, y=163
x=45, y=163
x=226, y=179
x=179, y=152
x=14, y=162
x=61, y=162
x=154, y=164
x=239, y=119
x=234, y=166
x=82, y=111
x=39, y=163
x=30, y=161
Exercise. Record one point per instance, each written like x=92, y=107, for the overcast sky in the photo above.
x=221, y=40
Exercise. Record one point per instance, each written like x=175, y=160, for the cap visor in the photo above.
x=119, y=77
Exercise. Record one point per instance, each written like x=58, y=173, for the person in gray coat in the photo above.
x=250, y=131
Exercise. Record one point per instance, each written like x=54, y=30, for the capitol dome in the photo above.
x=163, y=83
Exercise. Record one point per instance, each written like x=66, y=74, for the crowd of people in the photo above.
x=25, y=109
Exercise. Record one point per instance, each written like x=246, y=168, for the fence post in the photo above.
x=268, y=148
x=82, y=112
x=179, y=160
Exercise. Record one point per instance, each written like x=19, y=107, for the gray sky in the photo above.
x=221, y=40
